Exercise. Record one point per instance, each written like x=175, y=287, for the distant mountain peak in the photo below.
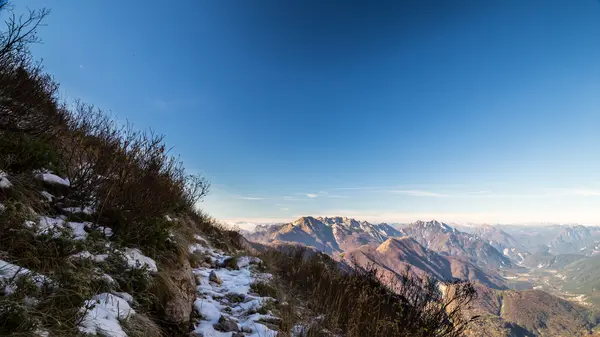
x=433, y=225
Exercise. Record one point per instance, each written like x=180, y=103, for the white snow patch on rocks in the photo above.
x=54, y=179
x=85, y=210
x=135, y=259
x=4, y=182
x=213, y=302
x=102, y=315
x=11, y=272
x=54, y=226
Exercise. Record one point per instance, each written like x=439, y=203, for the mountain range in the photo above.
x=553, y=270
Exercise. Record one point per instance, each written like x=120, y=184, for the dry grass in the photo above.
x=417, y=308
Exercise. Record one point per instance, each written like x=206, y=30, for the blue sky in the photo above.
x=483, y=111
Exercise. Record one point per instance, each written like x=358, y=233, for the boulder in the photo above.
x=212, y=277
x=226, y=324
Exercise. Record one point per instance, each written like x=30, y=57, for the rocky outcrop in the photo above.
x=178, y=307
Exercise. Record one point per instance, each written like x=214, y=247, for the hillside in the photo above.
x=528, y=313
x=394, y=256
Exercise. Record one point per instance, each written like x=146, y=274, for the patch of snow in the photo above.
x=11, y=272
x=48, y=196
x=212, y=302
x=49, y=225
x=2, y=208
x=86, y=210
x=78, y=229
x=108, y=279
x=127, y=297
x=4, y=182
x=102, y=315
x=135, y=259
x=54, y=179
x=87, y=255
x=54, y=226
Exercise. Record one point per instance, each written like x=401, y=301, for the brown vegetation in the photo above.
x=356, y=303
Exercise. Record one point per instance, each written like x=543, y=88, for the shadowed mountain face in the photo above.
x=439, y=237
x=395, y=255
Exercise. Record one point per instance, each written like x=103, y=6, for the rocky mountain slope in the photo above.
x=331, y=235
x=503, y=242
x=395, y=255
x=440, y=237
x=576, y=240
x=527, y=313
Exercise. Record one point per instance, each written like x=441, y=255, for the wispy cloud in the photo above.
x=159, y=104
x=420, y=193
x=312, y=195
x=242, y=197
x=581, y=192
x=284, y=209
x=358, y=188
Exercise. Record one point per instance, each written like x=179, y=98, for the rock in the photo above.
x=212, y=277
x=182, y=294
x=238, y=334
x=226, y=324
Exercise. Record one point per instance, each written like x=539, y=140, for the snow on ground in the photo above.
x=86, y=210
x=54, y=179
x=102, y=315
x=4, y=182
x=47, y=195
x=11, y=272
x=50, y=225
x=135, y=259
x=215, y=299
x=87, y=255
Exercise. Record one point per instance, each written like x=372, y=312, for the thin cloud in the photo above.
x=420, y=193
x=580, y=192
x=356, y=188
x=284, y=209
x=312, y=195
x=241, y=197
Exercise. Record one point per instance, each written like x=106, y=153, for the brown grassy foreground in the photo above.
x=354, y=302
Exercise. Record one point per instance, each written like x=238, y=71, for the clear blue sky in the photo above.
x=484, y=111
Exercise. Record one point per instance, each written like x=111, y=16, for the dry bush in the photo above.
x=416, y=308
